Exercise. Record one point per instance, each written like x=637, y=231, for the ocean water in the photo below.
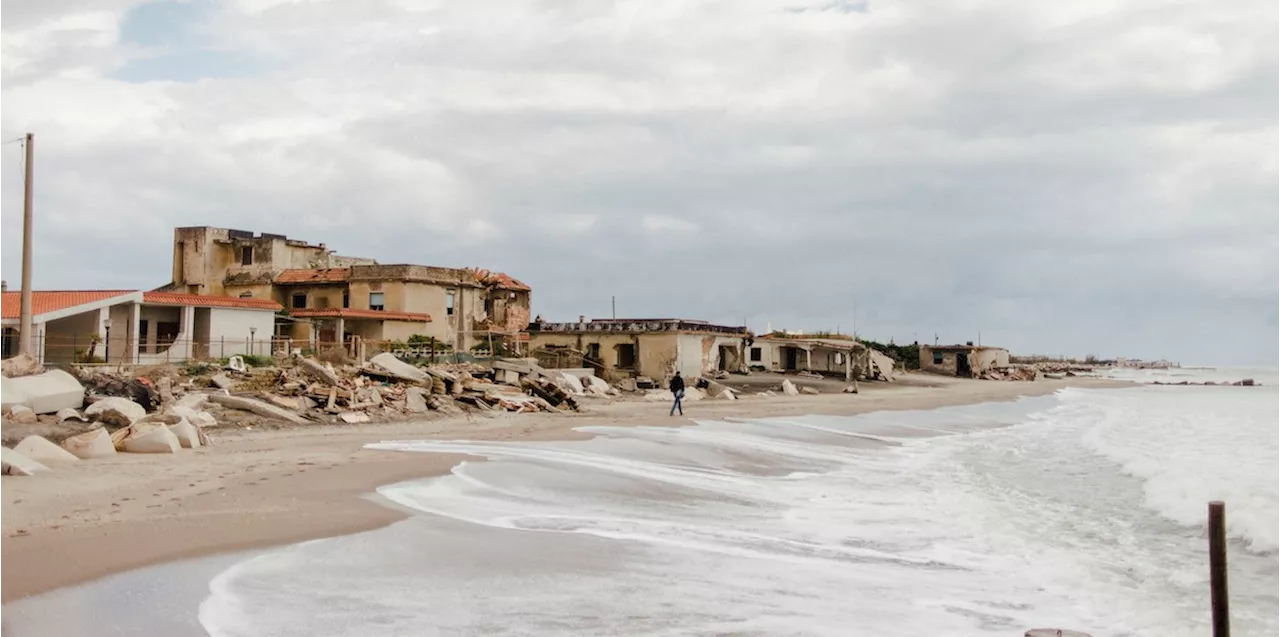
x=1082, y=510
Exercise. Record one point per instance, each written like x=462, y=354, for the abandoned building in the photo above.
x=135, y=327
x=966, y=360
x=653, y=348
x=331, y=298
x=831, y=355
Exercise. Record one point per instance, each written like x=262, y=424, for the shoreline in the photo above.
x=271, y=488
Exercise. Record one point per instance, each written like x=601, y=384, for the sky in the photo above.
x=1059, y=178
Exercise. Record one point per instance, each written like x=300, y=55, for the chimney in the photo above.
x=582, y=318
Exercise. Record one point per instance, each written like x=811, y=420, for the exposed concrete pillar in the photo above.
x=135, y=319
x=848, y=366
x=340, y=328
x=808, y=359
x=186, y=331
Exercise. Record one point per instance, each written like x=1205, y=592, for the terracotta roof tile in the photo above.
x=324, y=275
x=200, y=300
x=52, y=301
x=501, y=280
x=360, y=314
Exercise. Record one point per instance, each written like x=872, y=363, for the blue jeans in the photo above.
x=679, y=396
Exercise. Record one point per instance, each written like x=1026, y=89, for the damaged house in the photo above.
x=966, y=360
x=652, y=348
x=829, y=354
x=328, y=298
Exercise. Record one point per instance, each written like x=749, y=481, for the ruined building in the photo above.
x=330, y=298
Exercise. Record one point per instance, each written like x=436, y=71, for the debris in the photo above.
x=258, y=407
x=415, y=401
x=44, y=393
x=718, y=390
x=22, y=415
x=19, y=366
x=41, y=450
x=442, y=404
x=13, y=463
x=193, y=401
x=164, y=386
x=626, y=384
x=810, y=391
x=789, y=388
x=115, y=411
x=398, y=368
x=197, y=418
x=139, y=390
x=597, y=385
x=236, y=364
x=70, y=414
x=286, y=402
x=851, y=389
x=320, y=372
x=186, y=433
x=221, y=381
x=354, y=417
x=881, y=365
x=150, y=438
x=90, y=444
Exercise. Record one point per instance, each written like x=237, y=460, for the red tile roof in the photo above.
x=52, y=301
x=324, y=275
x=501, y=280
x=360, y=314
x=200, y=300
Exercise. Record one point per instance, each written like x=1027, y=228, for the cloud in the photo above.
x=1063, y=178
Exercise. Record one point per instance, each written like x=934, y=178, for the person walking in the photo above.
x=677, y=390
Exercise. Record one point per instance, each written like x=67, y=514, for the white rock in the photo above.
x=197, y=418
x=22, y=415
x=221, y=381
x=147, y=439
x=789, y=388
x=42, y=450
x=187, y=434
x=44, y=393
x=70, y=414
x=15, y=464
x=809, y=390
x=90, y=444
x=20, y=365
x=113, y=410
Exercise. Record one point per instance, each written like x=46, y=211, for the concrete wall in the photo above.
x=233, y=326
x=658, y=354
x=980, y=359
x=700, y=354
x=63, y=337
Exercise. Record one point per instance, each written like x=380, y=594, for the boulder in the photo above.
x=90, y=445
x=22, y=415
x=187, y=434
x=43, y=451
x=70, y=414
x=44, y=393
x=221, y=381
x=415, y=400
x=387, y=362
x=354, y=417
x=718, y=390
x=116, y=411
x=789, y=388
x=148, y=439
x=810, y=391
x=20, y=365
x=13, y=463
x=197, y=418
x=258, y=407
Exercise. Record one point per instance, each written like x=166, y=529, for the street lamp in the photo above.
x=252, y=332
x=106, y=323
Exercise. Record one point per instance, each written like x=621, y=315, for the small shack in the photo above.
x=968, y=360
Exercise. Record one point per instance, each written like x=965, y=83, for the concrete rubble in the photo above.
x=44, y=393
x=19, y=366
x=13, y=463
x=789, y=388
x=115, y=411
x=90, y=445
x=45, y=452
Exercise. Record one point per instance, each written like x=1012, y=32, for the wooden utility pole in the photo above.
x=24, y=311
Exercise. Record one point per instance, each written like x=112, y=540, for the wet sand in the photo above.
x=259, y=489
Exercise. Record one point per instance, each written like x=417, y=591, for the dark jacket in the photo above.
x=677, y=384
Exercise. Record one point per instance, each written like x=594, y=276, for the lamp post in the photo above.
x=106, y=323
x=252, y=332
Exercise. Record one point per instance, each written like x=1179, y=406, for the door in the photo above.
x=962, y=364
x=790, y=362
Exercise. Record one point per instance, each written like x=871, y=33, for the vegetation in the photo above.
x=908, y=355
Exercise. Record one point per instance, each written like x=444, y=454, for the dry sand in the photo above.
x=273, y=487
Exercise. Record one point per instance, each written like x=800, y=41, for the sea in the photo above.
x=1083, y=510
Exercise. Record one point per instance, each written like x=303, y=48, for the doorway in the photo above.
x=790, y=358
x=962, y=365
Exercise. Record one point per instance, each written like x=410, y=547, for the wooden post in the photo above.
x=1218, y=568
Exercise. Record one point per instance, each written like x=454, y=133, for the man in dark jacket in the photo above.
x=677, y=390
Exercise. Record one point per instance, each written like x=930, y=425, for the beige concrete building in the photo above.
x=655, y=348
x=331, y=298
x=833, y=356
x=965, y=360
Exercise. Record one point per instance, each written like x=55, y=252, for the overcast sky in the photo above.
x=1070, y=178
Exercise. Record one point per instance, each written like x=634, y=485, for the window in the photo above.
x=346, y=299
x=166, y=333
x=756, y=355
x=246, y=255
x=593, y=351
x=448, y=303
x=937, y=358
x=299, y=301
x=246, y=295
x=626, y=355
x=375, y=301
x=142, y=338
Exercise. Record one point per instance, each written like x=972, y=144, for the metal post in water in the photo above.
x=1218, y=568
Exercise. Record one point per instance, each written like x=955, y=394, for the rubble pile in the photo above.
x=1013, y=372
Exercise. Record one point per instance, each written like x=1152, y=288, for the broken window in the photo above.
x=346, y=300
x=246, y=255
x=593, y=351
x=448, y=303
x=937, y=358
x=756, y=355
x=376, y=301
x=299, y=301
x=166, y=333
x=626, y=355
x=246, y=295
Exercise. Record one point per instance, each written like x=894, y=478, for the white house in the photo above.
x=131, y=326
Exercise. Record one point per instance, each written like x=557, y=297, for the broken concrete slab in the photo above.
x=285, y=402
x=187, y=434
x=90, y=445
x=19, y=366
x=850, y=389
x=221, y=381
x=396, y=367
x=45, y=452
x=258, y=407
x=197, y=418
x=718, y=390
x=22, y=415
x=881, y=365
x=415, y=400
x=13, y=463
x=164, y=386
x=192, y=401
x=148, y=439
x=810, y=391
x=315, y=369
x=116, y=411
x=70, y=414
x=44, y=393
x=789, y=388
x=354, y=417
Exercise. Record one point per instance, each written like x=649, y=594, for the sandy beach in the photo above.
x=263, y=488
